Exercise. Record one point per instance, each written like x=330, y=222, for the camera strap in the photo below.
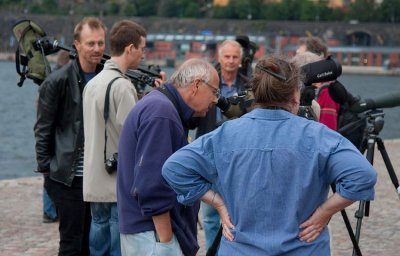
x=169, y=95
x=106, y=113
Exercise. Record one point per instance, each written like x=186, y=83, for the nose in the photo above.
x=97, y=47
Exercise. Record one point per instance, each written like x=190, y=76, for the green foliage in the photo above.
x=272, y=12
x=389, y=11
x=222, y=12
x=146, y=7
x=47, y=6
x=130, y=10
x=114, y=8
x=192, y=10
x=169, y=8
x=248, y=9
x=363, y=10
x=309, y=12
x=293, y=10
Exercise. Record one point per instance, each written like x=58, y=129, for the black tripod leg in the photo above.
x=349, y=228
x=353, y=239
x=359, y=215
x=212, y=251
x=363, y=208
x=388, y=165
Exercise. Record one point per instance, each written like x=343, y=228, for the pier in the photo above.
x=23, y=233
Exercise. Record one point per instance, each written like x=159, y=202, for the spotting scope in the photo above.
x=321, y=71
x=340, y=95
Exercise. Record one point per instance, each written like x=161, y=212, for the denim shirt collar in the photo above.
x=270, y=114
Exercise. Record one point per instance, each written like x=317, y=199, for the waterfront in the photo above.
x=17, y=115
x=20, y=201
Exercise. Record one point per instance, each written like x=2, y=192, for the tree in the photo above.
x=389, y=11
x=224, y=12
x=129, y=9
x=363, y=10
x=167, y=8
x=309, y=12
x=47, y=6
x=192, y=10
x=273, y=11
x=146, y=7
x=248, y=9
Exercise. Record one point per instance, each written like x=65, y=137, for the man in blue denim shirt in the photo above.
x=273, y=170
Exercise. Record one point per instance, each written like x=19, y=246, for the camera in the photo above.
x=249, y=50
x=111, y=164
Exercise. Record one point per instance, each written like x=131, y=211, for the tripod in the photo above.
x=374, y=124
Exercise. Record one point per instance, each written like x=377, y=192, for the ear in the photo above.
x=195, y=86
x=296, y=100
x=77, y=44
x=129, y=48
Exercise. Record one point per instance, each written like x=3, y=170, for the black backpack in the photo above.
x=349, y=124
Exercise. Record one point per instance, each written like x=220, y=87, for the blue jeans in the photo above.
x=48, y=206
x=104, y=233
x=145, y=244
x=211, y=223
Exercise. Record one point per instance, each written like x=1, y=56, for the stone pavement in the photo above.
x=22, y=231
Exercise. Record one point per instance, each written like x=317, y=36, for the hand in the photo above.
x=312, y=227
x=215, y=200
x=227, y=227
x=45, y=172
x=159, y=81
x=320, y=218
x=163, y=226
x=226, y=223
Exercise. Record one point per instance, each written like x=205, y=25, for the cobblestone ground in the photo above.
x=380, y=231
x=23, y=233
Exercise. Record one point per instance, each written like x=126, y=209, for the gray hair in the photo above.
x=230, y=42
x=191, y=70
x=305, y=58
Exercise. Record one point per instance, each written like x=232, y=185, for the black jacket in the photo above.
x=209, y=122
x=59, y=126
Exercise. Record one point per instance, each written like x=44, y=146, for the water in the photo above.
x=17, y=115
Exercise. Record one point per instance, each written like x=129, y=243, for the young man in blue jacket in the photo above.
x=151, y=221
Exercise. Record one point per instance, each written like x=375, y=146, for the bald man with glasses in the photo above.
x=151, y=221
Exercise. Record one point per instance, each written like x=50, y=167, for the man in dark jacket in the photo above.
x=59, y=135
x=232, y=82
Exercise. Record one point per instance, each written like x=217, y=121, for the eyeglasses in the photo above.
x=216, y=91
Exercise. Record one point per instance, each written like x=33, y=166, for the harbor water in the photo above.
x=17, y=115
